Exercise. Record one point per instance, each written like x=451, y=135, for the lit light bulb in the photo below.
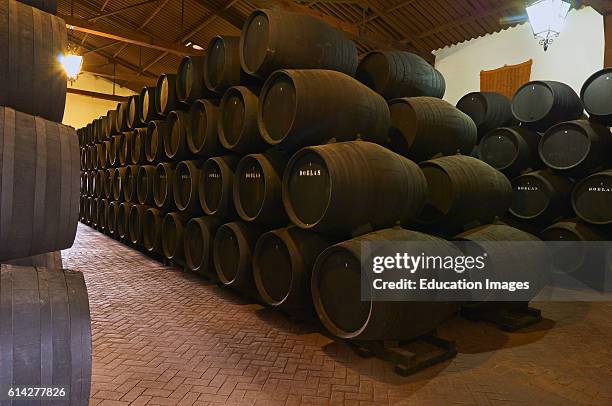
x=72, y=64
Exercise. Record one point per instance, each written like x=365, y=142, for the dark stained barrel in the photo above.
x=88, y=210
x=144, y=184
x=108, y=183
x=165, y=94
x=113, y=157
x=123, y=219
x=222, y=69
x=148, y=109
x=103, y=205
x=463, y=192
x=111, y=124
x=125, y=148
x=542, y=104
x=121, y=116
x=190, y=79
x=51, y=260
x=173, y=228
x=336, y=293
x=39, y=185
x=130, y=186
x=118, y=183
x=576, y=148
x=113, y=218
x=488, y=110
x=425, y=127
x=138, y=155
x=232, y=254
x=572, y=230
x=198, y=244
x=321, y=193
x=237, y=124
x=274, y=39
x=82, y=203
x=133, y=113
x=596, y=94
x=33, y=81
x=154, y=142
x=592, y=198
x=163, y=185
x=94, y=212
x=541, y=197
x=216, y=186
x=511, y=150
x=135, y=222
x=282, y=268
x=292, y=101
x=152, y=230
x=94, y=156
x=46, y=332
x=204, y=137
x=175, y=140
x=98, y=183
x=394, y=74
x=186, y=180
x=257, y=190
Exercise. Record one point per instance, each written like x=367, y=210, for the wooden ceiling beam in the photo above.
x=122, y=10
x=97, y=95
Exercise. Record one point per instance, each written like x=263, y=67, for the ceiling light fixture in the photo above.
x=547, y=18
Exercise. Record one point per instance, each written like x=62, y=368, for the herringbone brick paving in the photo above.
x=162, y=336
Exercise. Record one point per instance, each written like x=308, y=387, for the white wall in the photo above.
x=572, y=58
x=81, y=110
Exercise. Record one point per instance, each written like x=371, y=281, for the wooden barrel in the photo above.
x=91, y=183
x=572, y=230
x=107, y=151
x=82, y=201
x=596, y=94
x=94, y=156
x=237, y=124
x=541, y=197
x=175, y=139
x=108, y=183
x=113, y=218
x=172, y=238
x=103, y=205
x=222, y=69
x=463, y=192
x=198, y=244
x=123, y=220
x=152, y=230
x=97, y=189
x=592, y=198
x=204, y=137
x=125, y=148
x=111, y=123
x=154, y=142
x=130, y=186
x=319, y=188
x=87, y=207
x=163, y=185
x=46, y=332
x=291, y=101
x=39, y=185
x=33, y=80
x=148, y=109
x=216, y=186
x=394, y=74
x=50, y=260
x=144, y=184
x=257, y=190
x=49, y=6
x=336, y=293
x=282, y=267
x=488, y=110
x=232, y=254
x=190, y=79
x=165, y=94
x=94, y=212
x=542, y=104
x=138, y=155
x=135, y=221
x=118, y=183
x=113, y=158
x=576, y=148
x=511, y=150
x=425, y=127
x=275, y=39
x=133, y=113
x=121, y=116
x=185, y=182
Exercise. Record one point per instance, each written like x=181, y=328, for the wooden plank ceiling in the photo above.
x=165, y=26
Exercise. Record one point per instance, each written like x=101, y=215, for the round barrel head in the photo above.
x=199, y=124
x=150, y=228
x=185, y=78
x=183, y=178
x=161, y=185
x=164, y=93
x=309, y=188
x=213, y=185
x=176, y=131
x=251, y=186
x=440, y=194
x=227, y=254
x=530, y=197
x=475, y=106
x=144, y=101
x=499, y=148
x=338, y=286
x=194, y=245
x=532, y=102
x=255, y=42
x=373, y=71
x=597, y=93
x=232, y=117
x=215, y=63
x=592, y=199
x=279, y=107
x=403, y=124
x=275, y=270
x=132, y=110
x=564, y=146
x=169, y=236
x=134, y=221
x=153, y=143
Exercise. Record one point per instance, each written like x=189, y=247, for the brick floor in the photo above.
x=164, y=337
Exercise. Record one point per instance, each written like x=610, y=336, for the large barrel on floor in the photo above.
x=541, y=104
x=576, y=148
x=274, y=39
x=130, y=186
x=204, y=137
x=511, y=150
x=395, y=74
x=190, y=79
x=94, y=212
x=425, y=127
x=172, y=237
x=103, y=205
x=152, y=230
x=596, y=94
x=233, y=252
x=185, y=184
x=135, y=223
x=138, y=155
x=541, y=197
x=133, y=113
x=50, y=260
x=163, y=185
x=165, y=94
x=488, y=110
x=112, y=218
x=148, y=109
x=39, y=185
x=216, y=186
x=45, y=331
x=32, y=78
x=463, y=192
x=282, y=267
x=338, y=188
x=222, y=69
x=198, y=244
x=572, y=230
x=154, y=143
x=592, y=198
x=257, y=190
x=144, y=184
x=336, y=293
x=237, y=124
x=175, y=140
x=123, y=219
x=298, y=108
